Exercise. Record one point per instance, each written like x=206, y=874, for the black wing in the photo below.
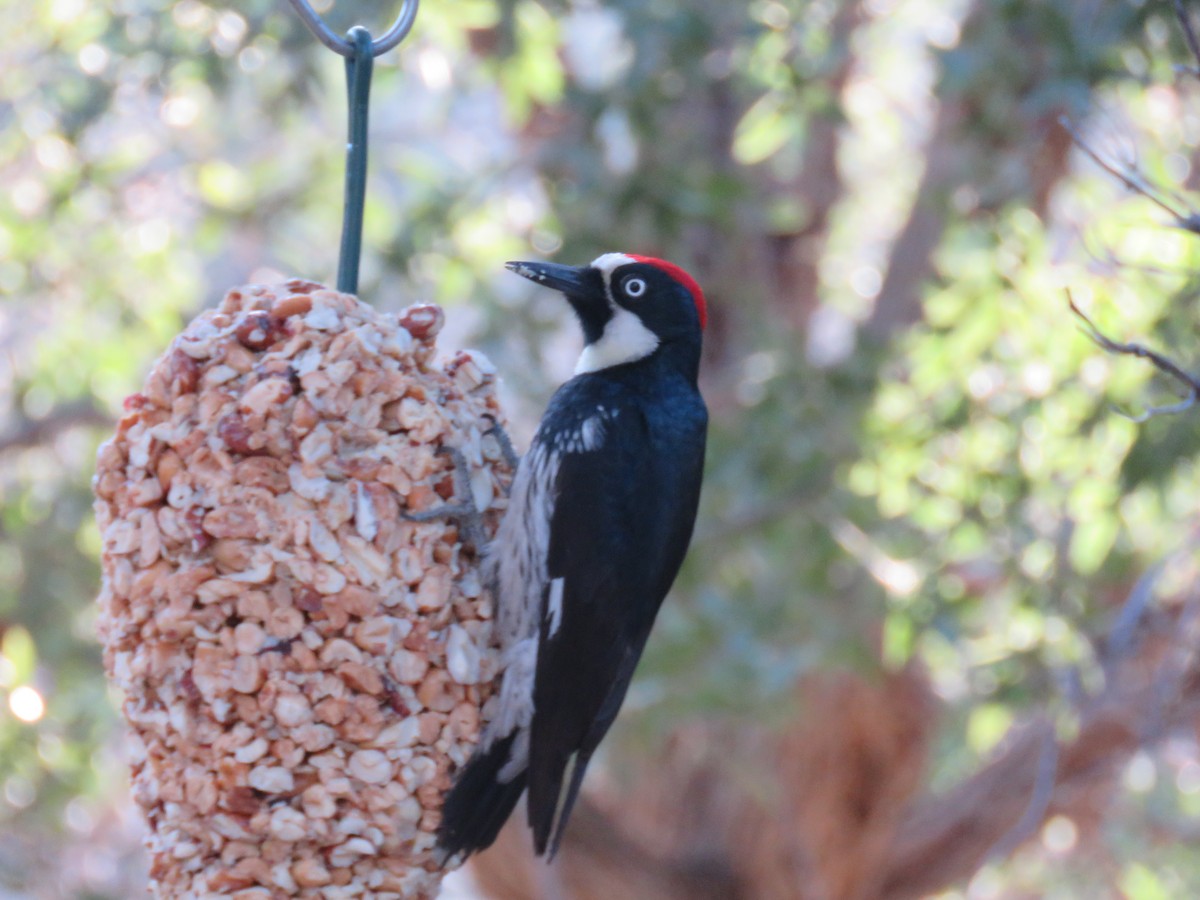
x=616, y=555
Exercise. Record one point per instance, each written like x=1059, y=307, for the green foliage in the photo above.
x=1141, y=883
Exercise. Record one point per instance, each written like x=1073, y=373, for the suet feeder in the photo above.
x=303, y=667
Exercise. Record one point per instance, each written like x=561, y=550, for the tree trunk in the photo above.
x=795, y=256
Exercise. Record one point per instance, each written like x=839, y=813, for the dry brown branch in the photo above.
x=1123, y=634
x=1039, y=797
x=1112, y=262
x=1160, y=362
x=1130, y=176
x=1189, y=33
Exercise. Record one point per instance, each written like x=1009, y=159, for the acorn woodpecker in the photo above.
x=598, y=522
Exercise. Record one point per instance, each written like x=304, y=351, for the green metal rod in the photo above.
x=358, y=89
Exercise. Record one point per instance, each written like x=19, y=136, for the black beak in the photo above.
x=568, y=279
x=583, y=287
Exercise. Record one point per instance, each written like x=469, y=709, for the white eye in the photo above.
x=633, y=287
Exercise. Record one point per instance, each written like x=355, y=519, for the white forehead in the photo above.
x=610, y=261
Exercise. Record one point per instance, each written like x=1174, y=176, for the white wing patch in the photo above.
x=591, y=432
x=515, y=709
x=517, y=563
x=554, y=606
x=625, y=339
x=588, y=436
x=518, y=552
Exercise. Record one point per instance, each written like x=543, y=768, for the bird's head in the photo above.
x=629, y=306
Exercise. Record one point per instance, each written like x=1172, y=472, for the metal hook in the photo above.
x=336, y=43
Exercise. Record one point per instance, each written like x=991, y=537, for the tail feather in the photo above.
x=549, y=820
x=557, y=774
x=479, y=803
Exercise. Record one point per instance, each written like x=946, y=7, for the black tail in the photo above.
x=551, y=801
x=479, y=803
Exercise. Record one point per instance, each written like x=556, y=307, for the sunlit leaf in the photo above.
x=898, y=636
x=223, y=185
x=1141, y=883
x=986, y=725
x=763, y=129
x=1092, y=541
x=19, y=650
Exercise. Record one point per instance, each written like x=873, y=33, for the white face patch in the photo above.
x=625, y=340
x=609, y=262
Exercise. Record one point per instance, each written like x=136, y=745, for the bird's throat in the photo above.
x=623, y=339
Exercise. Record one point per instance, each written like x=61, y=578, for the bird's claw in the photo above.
x=464, y=511
x=506, y=445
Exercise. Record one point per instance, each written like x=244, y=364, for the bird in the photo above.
x=599, y=519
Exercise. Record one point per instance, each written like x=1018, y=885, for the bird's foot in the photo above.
x=506, y=446
x=463, y=509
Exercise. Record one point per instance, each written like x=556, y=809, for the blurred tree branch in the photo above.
x=1132, y=177
x=1182, y=215
x=1189, y=34
x=30, y=432
x=1152, y=686
x=1160, y=362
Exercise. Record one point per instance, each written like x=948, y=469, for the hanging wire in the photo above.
x=358, y=95
x=336, y=43
x=360, y=52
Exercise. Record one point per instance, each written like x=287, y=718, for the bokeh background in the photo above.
x=937, y=633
